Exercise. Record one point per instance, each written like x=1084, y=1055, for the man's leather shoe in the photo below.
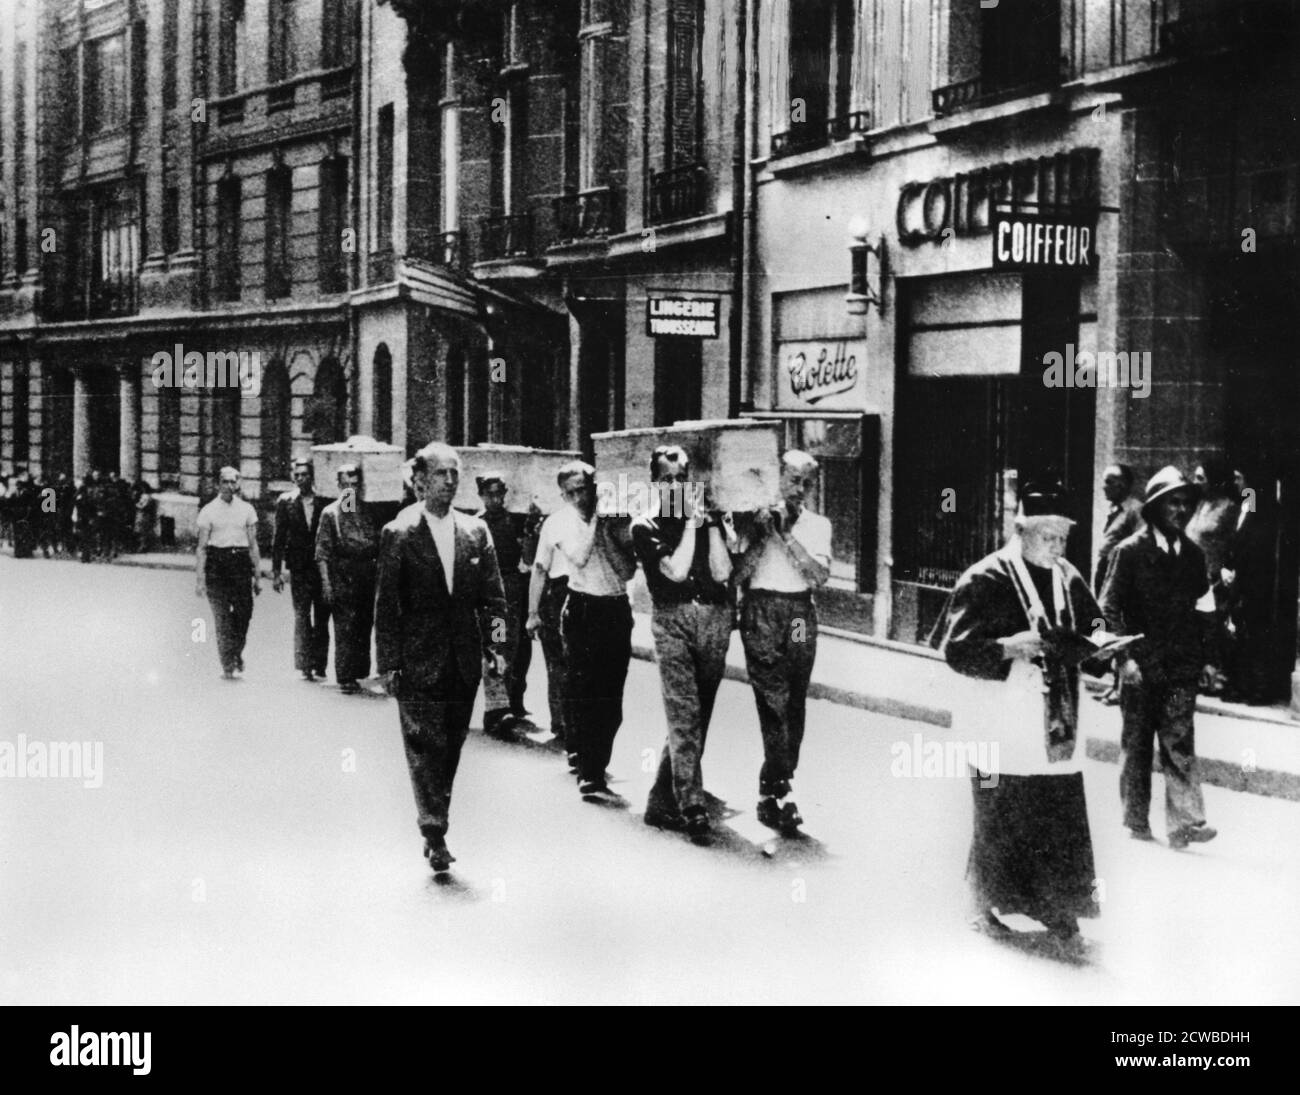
x=1191, y=834
x=697, y=821
x=573, y=763
x=308, y=675
x=1141, y=834
x=592, y=787
x=438, y=855
x=239, y=663
x=349, y=688
x=769, y=812
x=662, y=819
x=791, y=819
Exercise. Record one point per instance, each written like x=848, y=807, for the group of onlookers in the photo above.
x=99, y=517
x=1234, y=525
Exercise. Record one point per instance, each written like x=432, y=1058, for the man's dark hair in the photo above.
x=667, y=453
x=1125, y=473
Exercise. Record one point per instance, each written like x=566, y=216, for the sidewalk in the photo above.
x=1241, y=748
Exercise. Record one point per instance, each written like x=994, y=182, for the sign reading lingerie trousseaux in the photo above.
x=682, y=317
x=821, y=374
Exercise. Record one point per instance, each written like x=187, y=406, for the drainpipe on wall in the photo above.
x=741, y=210
x=748, y=89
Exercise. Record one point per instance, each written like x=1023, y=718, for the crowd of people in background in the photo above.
x=97, y=518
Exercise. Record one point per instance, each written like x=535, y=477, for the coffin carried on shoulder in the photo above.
x=738, y=459
x=381, y=467
x=529, y=475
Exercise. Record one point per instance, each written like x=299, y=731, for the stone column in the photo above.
x=80, y=422
x=128, y=399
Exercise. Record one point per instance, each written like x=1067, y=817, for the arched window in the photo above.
x=277, y=422
x=329, y=404
x=383, y=414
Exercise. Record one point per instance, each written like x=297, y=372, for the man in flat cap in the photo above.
x=1156, y=586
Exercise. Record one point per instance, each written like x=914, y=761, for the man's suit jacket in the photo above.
x=422, y=630
x=295, y=540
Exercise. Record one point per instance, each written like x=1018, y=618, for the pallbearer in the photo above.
x=347, y=552
x=509, y=531
x=1013, y=627
x=784, y=558
x=297, y=521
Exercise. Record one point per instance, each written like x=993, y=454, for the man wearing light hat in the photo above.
x=1157, y=587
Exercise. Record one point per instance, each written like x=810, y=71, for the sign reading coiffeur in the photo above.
x=1037, y=241
x=683, y=317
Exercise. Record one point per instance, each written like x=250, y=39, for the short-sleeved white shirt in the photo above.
x=597, y=578
x=776, y=571
x=549, y=556
x=228, y=524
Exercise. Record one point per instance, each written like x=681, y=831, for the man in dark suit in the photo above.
x=1256, y=675
x=297, y=518
x=1157, y=587
x=438, y=604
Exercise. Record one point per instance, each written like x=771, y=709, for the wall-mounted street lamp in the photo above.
x=866, y=270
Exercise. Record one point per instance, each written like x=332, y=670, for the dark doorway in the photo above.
x=105, y=418
x=679, y=363
x=58, y=422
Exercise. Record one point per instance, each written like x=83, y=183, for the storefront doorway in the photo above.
x=974, y=420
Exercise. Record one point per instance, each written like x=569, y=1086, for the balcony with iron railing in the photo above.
x=678, y=193
x=807, y=136
x=102, y=299
x=505, y=236
x=587, y=214
x=983, y=90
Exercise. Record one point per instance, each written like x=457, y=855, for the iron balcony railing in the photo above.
x=588, y=214
x=806, y=136
x=505, y=236
x=678, y=193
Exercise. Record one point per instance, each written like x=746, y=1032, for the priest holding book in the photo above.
x=1018, y=625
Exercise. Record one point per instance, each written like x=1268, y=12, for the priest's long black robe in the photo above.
x=1032, y=850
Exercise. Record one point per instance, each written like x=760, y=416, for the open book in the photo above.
x=1072, y=647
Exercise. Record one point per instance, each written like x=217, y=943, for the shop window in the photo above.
x=679, y=367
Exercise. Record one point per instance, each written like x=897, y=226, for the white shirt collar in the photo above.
x=1163, y=542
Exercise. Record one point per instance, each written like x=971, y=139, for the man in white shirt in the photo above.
x=548, y=589
x=438, y=605
x=596, y=625
x=787, y=556
x=228, y=566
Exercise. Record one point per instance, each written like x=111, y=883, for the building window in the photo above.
x=227, y=434
x=1019, y=45
x=170, y=47
x=106, y=83
x=282, y=58
x=327, y=413
x=70, y=92
x=384, y=180
x=383, y=414
x=229, y=201
x=21, y=402
x=679, y=372
x=683, y=101
x=338, y=41
x=169, y=437
x=277, y=422
x=171, y=220
x=139, y=71
x=118, y=246
x=821, y=65
x=279, y=220
x=20, y=114
x=333, y=221
x=232, y=47
x=21, y=258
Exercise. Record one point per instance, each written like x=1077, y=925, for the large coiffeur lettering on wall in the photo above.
x=964, y=204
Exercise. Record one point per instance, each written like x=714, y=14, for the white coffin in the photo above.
x=381, y=467
x=739, y=459
x=529, y=475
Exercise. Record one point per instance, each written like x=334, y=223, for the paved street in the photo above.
x=255, y=843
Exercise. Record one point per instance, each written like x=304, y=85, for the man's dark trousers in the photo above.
x=691, y=640
x=597, y=647
x=554, y=594
x=228, y=575
x=779, y=634
x=1159, y=710
x=434, y=732
x=311, y=616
